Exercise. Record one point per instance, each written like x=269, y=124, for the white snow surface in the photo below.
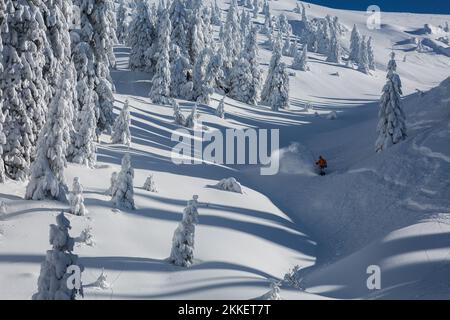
x=390, y=209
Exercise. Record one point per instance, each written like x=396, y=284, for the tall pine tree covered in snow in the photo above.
x=121, y=129
x=301, y=59
x=371, y=55
x=53, y=279
x=246, y=78
x=24, y=87
x=47, y=170
x=182, y=253
x=142, y=38
x=363, y=61
x=160, y=90
x=83, y=149
x=123, y=191
x=355, y=45
x=122, y=23
x=76, y=199
x=334, y=51
x=276, y=88
x=392, y=124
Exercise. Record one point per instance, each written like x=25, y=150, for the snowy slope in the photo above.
x=390, y=210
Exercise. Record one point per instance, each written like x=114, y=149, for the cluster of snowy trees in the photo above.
x=56, y=93
x=174, y=42
x=361, y=51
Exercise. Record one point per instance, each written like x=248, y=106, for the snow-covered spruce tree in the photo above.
x=370, y=55
x=232, y=35
x=200, y=89
x=97, y=29
x=113, y=184
x=220, y=111
x=179, y=18
x=304, y=16
x=123, y=192
x=355, y=45
x=25, y=90
x=77, y=199
x=142, y=37
x=52, y=282
x=47, y=170
x=150, y=185
x=392, y=125
x=301, y=59
x=276, y=88
x=213, y=77
x=2, y=116
x=334, y=53
x=181, y=85
x=216, y=14
x=191, y=120
x=246, y=78
x=256, y=7
x=160, y=90
x=121, y=130
x=363, y=61
x=279, y=92
x=179, y=118
x=83, y=149
x=182, y=253
x=122, y=23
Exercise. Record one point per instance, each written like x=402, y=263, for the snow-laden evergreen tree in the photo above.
x=52, y=281
x=276, y=88
x=150, y=185
x=220, y=111
x=363, y=61
x=268, y=25
x=279, y=92
x=392, y=124
x=142, y=37
x=179, y=118
x=160, y=90
x=232, y=35
x=370, y=55
x=113, y=184
x=256, y=8
x=47, y=170
x=191, y=120
x=97, y=29
x=123, y=192
x=266, y=8
x=83, y=148
x=216, y=14
x=201, y=89
x=122, y=23
x=121, y=130
x=77, y=199
x=304, y=16
x=355, y=45
x=24, y=87
x=182, y=253
x=199, y=31
x=246, y=77
x=213, y=77
x=301, y=59
x=274, y=293
x=179, y=18
x=334, y=51
x=56, y=14
x=2, y=116
x=181, y=85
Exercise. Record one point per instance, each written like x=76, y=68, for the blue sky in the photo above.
x=417, y=6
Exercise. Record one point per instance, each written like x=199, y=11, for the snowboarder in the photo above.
x=322, y=165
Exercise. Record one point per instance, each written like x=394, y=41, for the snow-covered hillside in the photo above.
x=389, y=209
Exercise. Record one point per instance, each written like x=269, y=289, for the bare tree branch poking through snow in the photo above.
x=54, y=277
x=182, y=253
